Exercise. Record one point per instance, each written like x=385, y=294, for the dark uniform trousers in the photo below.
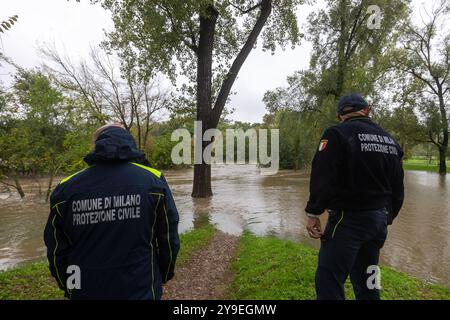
x=350, y=244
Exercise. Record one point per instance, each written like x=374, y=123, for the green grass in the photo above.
x=193, y=241
x=29, y=282
x=265, y=268
x=34, y=282
x=270, y=268
x=422, y=165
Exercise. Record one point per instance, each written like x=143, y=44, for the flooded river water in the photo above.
x=418, y=242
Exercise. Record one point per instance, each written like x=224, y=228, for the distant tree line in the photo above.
x=48, y=115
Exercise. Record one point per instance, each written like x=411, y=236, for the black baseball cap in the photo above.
x=351, y=103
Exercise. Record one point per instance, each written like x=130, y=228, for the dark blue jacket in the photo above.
x=116, y=221
x=358, y=166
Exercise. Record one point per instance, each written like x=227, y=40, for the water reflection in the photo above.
x=418, y=242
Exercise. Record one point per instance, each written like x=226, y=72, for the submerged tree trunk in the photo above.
x=442, y=159
x=18, y=186
x=444, y=123
x=202, y=172
x=49, y=187
x=202, y=181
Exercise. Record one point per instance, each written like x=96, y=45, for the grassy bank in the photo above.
x=270, y=268
x=33, y=281
x=29, y=282
x=423, y=165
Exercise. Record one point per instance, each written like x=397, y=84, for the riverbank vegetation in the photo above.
x=270, y=268
x=420, y=164
x=263, y=268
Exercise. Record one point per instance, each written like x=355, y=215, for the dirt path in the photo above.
x=207, y=275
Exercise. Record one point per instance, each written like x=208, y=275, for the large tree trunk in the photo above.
x=210, y=117
x=202, y=181
x=202, y=172
x=444, y=122
x=442, y=158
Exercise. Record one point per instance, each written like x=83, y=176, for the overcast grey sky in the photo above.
x=74, y=27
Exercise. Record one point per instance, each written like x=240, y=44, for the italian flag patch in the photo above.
x=323, y=145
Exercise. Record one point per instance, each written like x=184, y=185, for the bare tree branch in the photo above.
x=245, y=11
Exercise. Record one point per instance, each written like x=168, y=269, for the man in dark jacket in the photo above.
x=115, y=223
x=357, y=175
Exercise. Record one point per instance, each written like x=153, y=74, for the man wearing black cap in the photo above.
x=357, y=176
x=112, y=232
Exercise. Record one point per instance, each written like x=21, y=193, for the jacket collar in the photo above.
x=358, y=118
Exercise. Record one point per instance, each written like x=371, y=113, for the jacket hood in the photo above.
x=114, y=144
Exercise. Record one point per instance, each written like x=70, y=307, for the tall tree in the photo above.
x=347, y=55
x=426, y=57
x=208, y=40
x=44, y=123
x=350, y=52
x=112, y=93
x=31, y=140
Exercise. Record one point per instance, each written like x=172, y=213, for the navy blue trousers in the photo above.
x=350, y=244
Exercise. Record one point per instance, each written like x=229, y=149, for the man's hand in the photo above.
x=314, y=228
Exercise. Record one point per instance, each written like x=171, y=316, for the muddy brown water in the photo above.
x=418, y=242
